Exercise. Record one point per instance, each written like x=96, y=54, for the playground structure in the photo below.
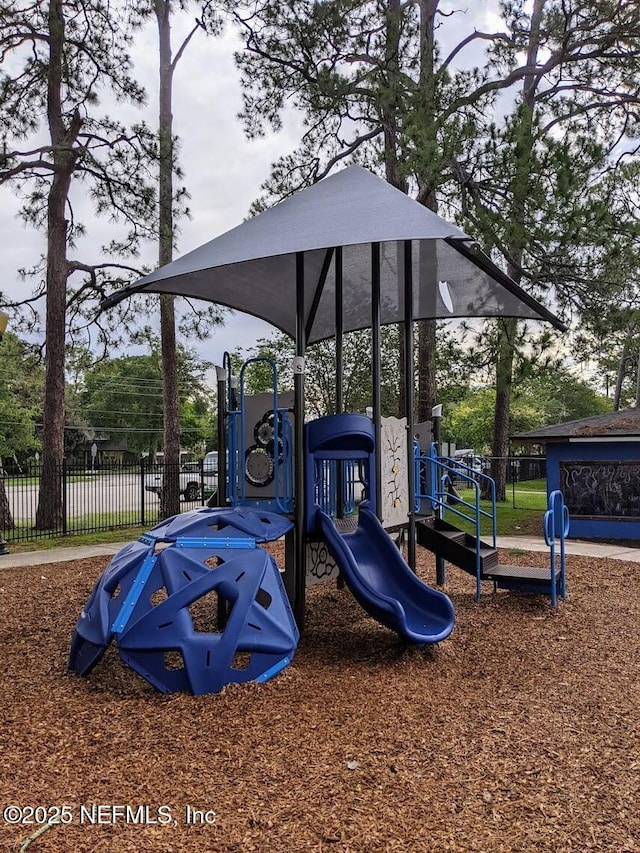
x=148, y=598
x=393, y=261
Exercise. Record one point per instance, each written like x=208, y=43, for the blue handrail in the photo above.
x=438, y=491
x=556, y=526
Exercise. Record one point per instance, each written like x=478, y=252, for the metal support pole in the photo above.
x=376, y=370
x=221, y=495
x=436, y=414
x=339, y=374
x=299, y=450
x=221, y=373
x=409, y=399
x=339, y=334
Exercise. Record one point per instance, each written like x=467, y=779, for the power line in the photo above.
x=142, y=380
x=103, y=428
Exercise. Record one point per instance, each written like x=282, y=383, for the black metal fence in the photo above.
x=122, y=496
x=104, y=498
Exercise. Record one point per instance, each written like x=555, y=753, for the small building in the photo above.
x=595, y=462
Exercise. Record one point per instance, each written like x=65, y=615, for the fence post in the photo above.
x=142, y=507
x=65, y=503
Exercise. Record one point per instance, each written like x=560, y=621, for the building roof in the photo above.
x=253, y=268
x=624, y=424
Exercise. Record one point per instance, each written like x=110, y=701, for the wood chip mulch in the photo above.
x=521, y=732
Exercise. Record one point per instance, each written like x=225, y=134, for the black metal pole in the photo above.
x=300, y=567
x=142, y=495
x=339, y=374
x=222, y=436
x=376, y=370
x=339, y=334
x=221, y=495
x=436, y=413
x=409, y=398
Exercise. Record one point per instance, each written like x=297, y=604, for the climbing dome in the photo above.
x=194, y=604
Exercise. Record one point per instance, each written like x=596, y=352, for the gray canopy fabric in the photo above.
x=252, y=268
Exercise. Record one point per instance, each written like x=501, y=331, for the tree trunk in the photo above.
x=622, y=364
x=170, y=496
x=427, y=384
x=6, y=519
x=428, y=174
x=504, y=382
x=390, y=111
x=49, y=513
x=402, y=397
x=518, y=216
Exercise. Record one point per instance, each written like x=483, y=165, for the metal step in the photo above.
x=346, y=525
x=455, y=546
x=525, y=579
x=530, y=574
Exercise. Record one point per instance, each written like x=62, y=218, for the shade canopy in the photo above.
x=252, y=268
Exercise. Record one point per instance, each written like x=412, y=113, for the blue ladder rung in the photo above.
x=274, y=670
x=124, y=614
x=214, y=543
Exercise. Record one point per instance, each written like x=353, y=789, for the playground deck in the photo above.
x=517, y=733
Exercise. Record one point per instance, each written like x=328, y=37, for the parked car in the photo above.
x=210, y=471
x=192, y=478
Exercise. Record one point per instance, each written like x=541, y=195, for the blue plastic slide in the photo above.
x=383, y=583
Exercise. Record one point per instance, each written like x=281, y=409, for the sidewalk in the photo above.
x=58, y=555
x=521, y=543
x=572, y=546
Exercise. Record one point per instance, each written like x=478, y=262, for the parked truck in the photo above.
x=198, y=480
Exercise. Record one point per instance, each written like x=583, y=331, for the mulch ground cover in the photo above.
x=521, y=732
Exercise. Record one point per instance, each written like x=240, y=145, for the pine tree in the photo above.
x=373, y=85
x=168, y=169
x=58, y=56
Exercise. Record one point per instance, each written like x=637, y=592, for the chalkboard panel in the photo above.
x=601, y=489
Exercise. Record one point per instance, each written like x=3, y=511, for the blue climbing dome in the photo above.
x=162, y=596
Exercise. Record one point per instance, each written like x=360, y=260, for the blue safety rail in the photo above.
x=198, y=542
x=436, y=478
x=556, y=528
x=236, y=441
x=326, y=485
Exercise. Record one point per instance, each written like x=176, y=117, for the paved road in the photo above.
x=102, y=494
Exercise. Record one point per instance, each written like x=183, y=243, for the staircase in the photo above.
x=457, y=547
x=434, y=478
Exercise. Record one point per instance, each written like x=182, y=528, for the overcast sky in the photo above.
x=223, y=171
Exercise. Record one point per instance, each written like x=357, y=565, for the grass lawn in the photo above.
x=95, y=537
x=523, y=520
x=529, y=486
